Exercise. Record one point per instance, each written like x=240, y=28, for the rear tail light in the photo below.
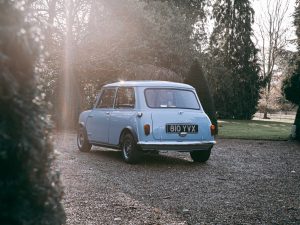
x=147, y=129
x=213, y=130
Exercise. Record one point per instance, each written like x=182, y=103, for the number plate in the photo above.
x=178, y=128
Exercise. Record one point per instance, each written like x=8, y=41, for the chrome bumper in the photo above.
x=186, y=146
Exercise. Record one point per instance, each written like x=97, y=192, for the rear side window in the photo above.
x=107, y=98
x=125, y=98
x=171, y=98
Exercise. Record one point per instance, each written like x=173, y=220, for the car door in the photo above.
x=123, y=114
x=98, y=122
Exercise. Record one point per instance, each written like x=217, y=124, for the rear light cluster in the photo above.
x=213, y=130
x=147, y=129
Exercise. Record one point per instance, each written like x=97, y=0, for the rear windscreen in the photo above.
x=171, y=98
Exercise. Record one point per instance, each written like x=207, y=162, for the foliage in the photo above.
x=291, y=86
x=193, y=9
x=218, y=78
x=30, y=192
x=96, y=42
x=152, y=33
x=195, y=13
x=197, y=79
x=148, y=41
x=233, y=69
x=291, y=89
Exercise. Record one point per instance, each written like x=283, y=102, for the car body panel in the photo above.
x=182, y=117
x=97, y=125
x=120, y=119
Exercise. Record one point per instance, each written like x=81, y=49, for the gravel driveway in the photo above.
x=244, y=182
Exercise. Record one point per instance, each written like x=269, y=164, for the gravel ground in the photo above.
x=244, y=182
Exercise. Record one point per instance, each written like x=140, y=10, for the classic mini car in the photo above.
x=145, y=116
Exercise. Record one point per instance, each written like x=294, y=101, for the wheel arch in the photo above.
x=127, y=130
x=81, y=124
x=82, y=139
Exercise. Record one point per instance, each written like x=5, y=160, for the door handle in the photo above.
x=90, y=116
x=107, y=113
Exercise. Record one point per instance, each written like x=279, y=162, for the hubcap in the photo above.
x=80, y=139
x=127, y=148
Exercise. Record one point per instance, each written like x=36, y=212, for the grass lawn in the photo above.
x=254, y=129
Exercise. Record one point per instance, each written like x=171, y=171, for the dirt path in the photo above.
x=244, y=182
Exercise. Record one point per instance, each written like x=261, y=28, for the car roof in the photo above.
x=149, y=83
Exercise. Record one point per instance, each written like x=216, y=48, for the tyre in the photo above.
x=200, y=156
x=82, y=141
x=130, y=152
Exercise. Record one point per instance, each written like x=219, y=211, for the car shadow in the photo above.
x=146, y=158
x=155, y=159
x=107, y=154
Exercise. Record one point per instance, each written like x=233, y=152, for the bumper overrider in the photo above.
x=186, y=146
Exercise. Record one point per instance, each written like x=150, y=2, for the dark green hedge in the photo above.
x=197, y=79
x=30, y=192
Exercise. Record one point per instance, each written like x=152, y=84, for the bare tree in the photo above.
x=272, y=36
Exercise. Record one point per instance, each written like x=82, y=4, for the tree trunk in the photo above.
x=268, y=90
x=297, y=123
x=266, y=114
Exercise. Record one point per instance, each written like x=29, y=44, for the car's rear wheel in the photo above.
x=130, y=152
x=200, y=156
x=82, y=141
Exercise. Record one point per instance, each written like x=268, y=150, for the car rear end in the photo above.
x=174, y=121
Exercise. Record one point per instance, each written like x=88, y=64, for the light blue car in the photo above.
x=147, y=116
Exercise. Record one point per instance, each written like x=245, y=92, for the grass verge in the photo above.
x=254, y=130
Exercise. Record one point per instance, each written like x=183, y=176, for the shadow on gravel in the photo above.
x=149, y=159
x=146, y=159
x=107, y=154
